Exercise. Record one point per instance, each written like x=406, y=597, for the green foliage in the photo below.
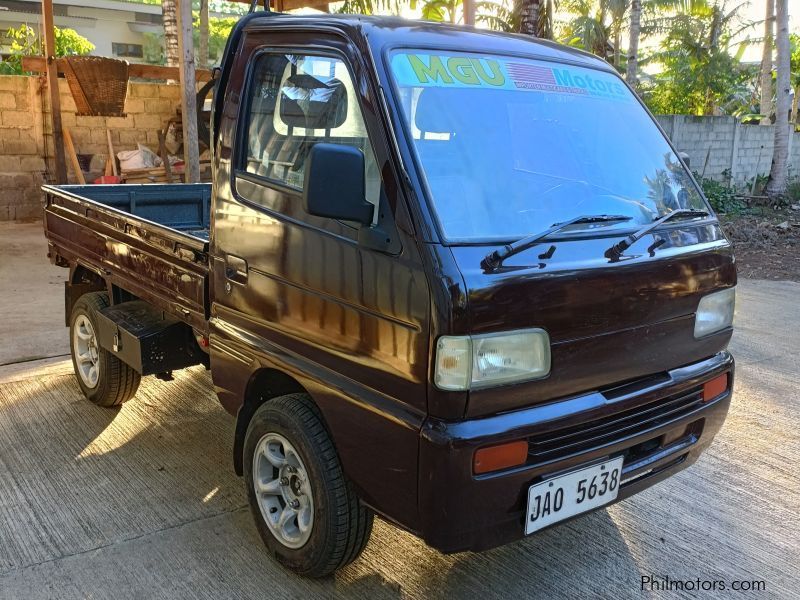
x=25, y=42
x=793, y=191
x=153, y=49
x=495, y=14
x=71, y=43
x=700, y=69
x=218, y=31
x=498, y=15
x=441, y=10
x=596, y=26
x=220, y=6
x=723, y=198
x=371, y=7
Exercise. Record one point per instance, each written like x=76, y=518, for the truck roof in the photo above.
x=385, y=31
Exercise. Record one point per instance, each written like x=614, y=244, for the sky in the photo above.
x=754, y=11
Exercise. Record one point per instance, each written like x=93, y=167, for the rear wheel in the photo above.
x=306, y=511
x=104, y=379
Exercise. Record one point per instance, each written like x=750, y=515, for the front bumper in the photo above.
x=659, y=424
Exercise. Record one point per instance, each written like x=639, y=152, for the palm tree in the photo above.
x=369, y=7
x=170, y=18
x=529, y=15
x=778, y=174
x=658, y=25
x=441, y=10
x=794, y=66
x=633, y=44
x=766, y=64
x=589, y=29
x=496, y=15
x=699, y=52
x=617, y=9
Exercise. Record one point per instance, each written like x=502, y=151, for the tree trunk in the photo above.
x=794, y=106
x=778, y=174
x=617, y=35
x=203, y=50
x=633, y=46
x=529, y=17
x=547, y=27
x=765, y=107
x=170, y=19
x=709, y=107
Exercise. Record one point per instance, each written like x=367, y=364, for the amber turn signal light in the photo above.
x=714, y=388
x=502, y=456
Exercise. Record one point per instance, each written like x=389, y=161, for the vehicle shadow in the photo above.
x=585, y=557
x=77, y=477
x=80, y=477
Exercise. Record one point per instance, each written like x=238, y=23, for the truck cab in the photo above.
x=457, y=278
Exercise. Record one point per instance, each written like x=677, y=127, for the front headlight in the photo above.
x=470, y=362
x=714, y=312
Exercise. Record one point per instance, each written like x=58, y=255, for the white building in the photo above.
x=115, y=27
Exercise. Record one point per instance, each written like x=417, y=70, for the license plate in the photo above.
x=573, y=493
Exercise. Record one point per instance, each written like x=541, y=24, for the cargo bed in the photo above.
x=148, y=240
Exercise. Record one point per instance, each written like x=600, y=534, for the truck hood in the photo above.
x=609, y=322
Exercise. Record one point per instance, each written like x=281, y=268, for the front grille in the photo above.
x=561, y=443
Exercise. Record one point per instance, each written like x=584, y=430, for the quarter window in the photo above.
x=297, y=101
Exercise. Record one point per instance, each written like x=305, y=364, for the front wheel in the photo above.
x=306, y=511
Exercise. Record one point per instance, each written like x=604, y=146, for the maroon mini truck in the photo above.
x=456, y=278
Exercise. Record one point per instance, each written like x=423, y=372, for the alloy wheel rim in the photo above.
x=283, y=490
x=86, y=351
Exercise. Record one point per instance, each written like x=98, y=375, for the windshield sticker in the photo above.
x=461, y=71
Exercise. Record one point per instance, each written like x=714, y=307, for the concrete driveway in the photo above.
x=141, y=502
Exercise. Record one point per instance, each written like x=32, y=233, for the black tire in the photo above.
x=342, y=524
x=116, y=381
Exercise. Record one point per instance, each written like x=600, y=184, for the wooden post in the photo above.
x=52, y=86
x=186, y=67
x=111, y=154
x=469, y=12
x=73, y=157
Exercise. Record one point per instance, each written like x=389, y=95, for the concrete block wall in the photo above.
x=26, y=143
x=21, y=163
x=727, y=150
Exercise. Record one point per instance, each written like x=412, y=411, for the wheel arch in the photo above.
x=264, y=385
x=82, y=280
x=82, y=275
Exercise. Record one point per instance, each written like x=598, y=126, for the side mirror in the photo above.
x=335, y=184
x=685, y=158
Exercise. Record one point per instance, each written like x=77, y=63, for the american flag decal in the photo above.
x=530, y=74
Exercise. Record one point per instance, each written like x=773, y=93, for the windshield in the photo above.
x=510, y=146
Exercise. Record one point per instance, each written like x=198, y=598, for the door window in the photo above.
x=297, y=101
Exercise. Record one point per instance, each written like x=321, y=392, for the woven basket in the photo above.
x=98, y=85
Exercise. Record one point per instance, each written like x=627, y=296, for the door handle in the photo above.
x=235, y=268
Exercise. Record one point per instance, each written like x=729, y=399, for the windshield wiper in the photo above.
x=615, y=252
x=495, y=258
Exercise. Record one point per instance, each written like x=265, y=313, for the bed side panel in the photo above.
x=162, y=266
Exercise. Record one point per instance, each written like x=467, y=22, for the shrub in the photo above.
x=25, y=42
x=793, y=191
x=723, y=198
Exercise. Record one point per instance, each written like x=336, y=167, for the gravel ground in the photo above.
x=141, y=502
